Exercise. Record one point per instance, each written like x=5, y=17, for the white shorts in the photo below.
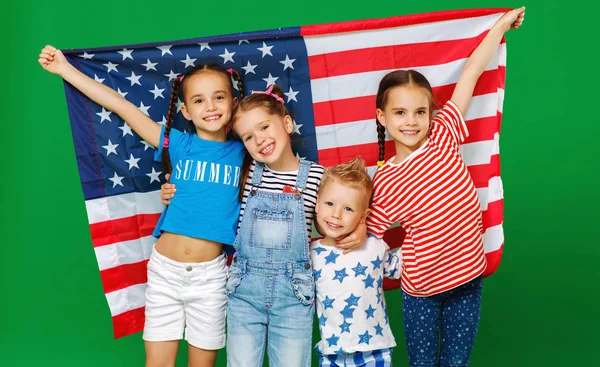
x=188, y=296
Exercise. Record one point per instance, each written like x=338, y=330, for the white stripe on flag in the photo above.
x=366, y=84
x=126, y=299
x=493, y=192
x=122, y=253
x=123, y=206
x=493, y=238
x=364, y=132
x=417, y=33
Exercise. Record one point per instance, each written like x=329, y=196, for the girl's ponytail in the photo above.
x=166, y=160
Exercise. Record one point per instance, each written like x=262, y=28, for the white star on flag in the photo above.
x=298, y=156
x=188, y=62
x=154, y=175
x=227, y=56
x=110, y=66
x=126, y=54
x=242, y=41
x=291, y=95
x=126, y=129
x=163, y=121
x=143, y=108
x=134, y=79
x=99, y=80
x=116, y=180
x=172, y=75
x=296, y=128
x=165, y=50
x=179, y=104
x=123, y=94
x=270, y=80
x=87, y=56
x=266, y=50
x=110, y=148
x=150, y=65
x=104, y=115
x=157, y=92
x=146, y=145
x=203, y=46
x=287, y=63
x=132, y=161
x=249, y=68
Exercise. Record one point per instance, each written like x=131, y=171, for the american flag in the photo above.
x=329, y=74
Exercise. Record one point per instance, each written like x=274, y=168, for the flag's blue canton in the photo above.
x=113, y=160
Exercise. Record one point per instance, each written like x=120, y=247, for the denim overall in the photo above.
x=271, y=288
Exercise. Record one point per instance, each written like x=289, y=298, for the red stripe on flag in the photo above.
x=123, y=276
x=129, y=322
x=124, y=229
x=391, y=57
x=481, y=173
x=493, y=215
x=363, y=108
x=397, y=21
x=369, y=153
x=482, y=129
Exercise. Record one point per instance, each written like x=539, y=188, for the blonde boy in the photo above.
x=351, y=306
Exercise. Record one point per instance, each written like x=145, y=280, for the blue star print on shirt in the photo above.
x=330, y=259
x=340, y=275
x=370, y=312
x=369, y=281
x=376, y=263
x=322, y=320
x=318, y=250
x=378, y=330
x=364, y=338
x=352, y=300
x=332, y=340
x=345, y=326
x=359, y=269
x=317, y=274
x=348, y=312
x=328, y=302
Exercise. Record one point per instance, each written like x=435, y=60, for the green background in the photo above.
x=539, y=309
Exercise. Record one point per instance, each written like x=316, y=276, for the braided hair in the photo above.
x=393, y=79
x=178, y=88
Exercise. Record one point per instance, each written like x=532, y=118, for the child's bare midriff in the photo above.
x=187, y=249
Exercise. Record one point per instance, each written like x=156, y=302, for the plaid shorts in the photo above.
x=373, y=358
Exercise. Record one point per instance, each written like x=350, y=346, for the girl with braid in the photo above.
x=271, y=287
x=187, y=270
x=427, y=188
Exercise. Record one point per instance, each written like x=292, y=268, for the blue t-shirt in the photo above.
x=207, y=176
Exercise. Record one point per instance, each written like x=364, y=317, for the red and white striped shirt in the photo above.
x=432, y=196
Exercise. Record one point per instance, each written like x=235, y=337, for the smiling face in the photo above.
x=407, y=116
x=208, y=103
x=340, y=207
x=266, y=136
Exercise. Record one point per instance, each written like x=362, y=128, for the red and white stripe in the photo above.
x=121, y=228
x=345, y=72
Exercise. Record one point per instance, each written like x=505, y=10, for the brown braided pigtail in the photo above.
x=166, y=159
x=238, y=78
x=245, y=173
x=380, y=143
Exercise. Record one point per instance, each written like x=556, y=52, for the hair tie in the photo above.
x=181, y=78
x=269, y=92
x=380, y=163
x=230, y=71
x=165, y=142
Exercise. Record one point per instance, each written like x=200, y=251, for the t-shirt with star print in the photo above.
x=350, y=302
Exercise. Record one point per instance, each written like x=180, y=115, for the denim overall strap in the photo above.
x=257, y=174
x=303, y=171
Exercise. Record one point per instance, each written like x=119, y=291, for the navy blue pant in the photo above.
x=440, y=329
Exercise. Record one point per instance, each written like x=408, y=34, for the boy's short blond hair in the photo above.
x=353, y=174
